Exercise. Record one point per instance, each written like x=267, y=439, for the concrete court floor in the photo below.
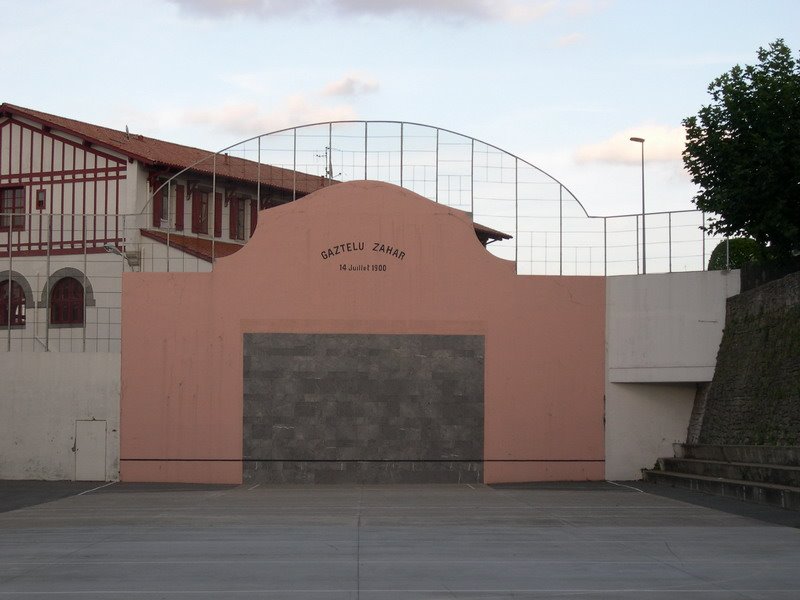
x=590, y=540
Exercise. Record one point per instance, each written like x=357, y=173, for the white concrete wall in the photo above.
x=643, y=420
x=42, y=397
x=662, y=336
x=666, y=327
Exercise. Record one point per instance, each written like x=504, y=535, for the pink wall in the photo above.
x=182, y=333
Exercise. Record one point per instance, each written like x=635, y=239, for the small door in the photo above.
x=90, y=450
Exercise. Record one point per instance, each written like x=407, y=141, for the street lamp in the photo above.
x=639, y=140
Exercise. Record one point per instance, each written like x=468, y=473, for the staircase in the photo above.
x=762, y=474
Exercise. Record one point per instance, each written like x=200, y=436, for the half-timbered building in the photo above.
x=79, y=203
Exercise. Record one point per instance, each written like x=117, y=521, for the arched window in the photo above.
x=17, y=304
x=66, y=302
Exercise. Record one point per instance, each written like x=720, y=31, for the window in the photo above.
x=41, y=199
x=17, y=304
x=200, y=212
x=160, y=203
x=66, y=302
x=165, y=203
x=238, y=206
x=12, y=209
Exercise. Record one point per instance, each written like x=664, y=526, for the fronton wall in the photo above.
x=198, y=405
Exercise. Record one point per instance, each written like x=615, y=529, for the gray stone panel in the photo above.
x=363, y=408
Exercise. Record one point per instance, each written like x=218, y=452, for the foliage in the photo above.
x=739, y=251
x=743, y=151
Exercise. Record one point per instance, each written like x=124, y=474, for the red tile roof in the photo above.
x=487, y=235
x=157, y=152
x=195, y=246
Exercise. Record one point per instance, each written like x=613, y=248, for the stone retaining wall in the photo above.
x=755, y=395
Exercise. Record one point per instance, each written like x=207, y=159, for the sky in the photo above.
x=562, y=84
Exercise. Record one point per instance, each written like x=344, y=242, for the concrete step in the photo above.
x=771, y=455
x=762, y=493
x=755, y=472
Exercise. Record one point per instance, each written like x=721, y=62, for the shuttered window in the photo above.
x=179, y=199
x=200, y=212
x=218, y=214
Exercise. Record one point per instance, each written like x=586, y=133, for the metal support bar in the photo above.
x=638, y=270
x=516, y=213
x=47, y=282
x=294, y=164
x=605, y=246
x=727, y=254
x=258, y=178
x=169, y=195
x=329, y=166
x=560, y=229
x=401, y=154
x=669, y=232
x=436, y=182
x=85, y=267
x=214, y=200
x=8, y=289
x=703, y=233
x=472, y=178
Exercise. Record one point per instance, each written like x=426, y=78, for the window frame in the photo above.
x=165, y=205
x=18, y=304
x=74, y=303
x=238, y=218
x=200, y=202
x=12, y=208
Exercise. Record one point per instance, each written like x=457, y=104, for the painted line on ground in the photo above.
x=99, y=487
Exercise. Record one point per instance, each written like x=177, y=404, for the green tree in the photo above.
x=743, y=151
x=733, y=253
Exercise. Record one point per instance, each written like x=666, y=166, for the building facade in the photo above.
x=79, y=203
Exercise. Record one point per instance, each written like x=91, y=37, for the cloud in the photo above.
x=584, y=8
x=570, y=40
x=258, y=8
x=351, y=85
x=662, y=144
x=517, y=11
x=247, y=119
x=252, y=82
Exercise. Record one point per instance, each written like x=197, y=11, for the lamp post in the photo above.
x=639, y=140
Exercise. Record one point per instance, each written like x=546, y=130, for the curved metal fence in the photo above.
x=552, y=233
